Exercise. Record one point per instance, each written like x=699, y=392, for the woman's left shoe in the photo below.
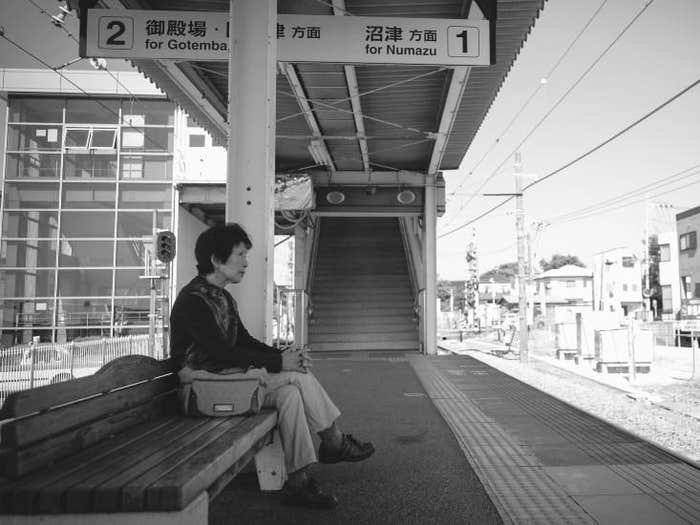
x=350, y=450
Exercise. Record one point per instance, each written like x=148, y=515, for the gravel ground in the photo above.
x=660, y=406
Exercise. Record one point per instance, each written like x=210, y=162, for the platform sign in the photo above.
x=198, y=35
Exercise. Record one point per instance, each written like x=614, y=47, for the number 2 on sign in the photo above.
x=114, y=39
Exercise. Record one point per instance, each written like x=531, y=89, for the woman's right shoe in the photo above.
x=309, y=495
x=350, y=450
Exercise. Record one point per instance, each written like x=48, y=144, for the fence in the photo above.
x=36, y=364
x=290, y=317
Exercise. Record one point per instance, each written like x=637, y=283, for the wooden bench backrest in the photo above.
x=45, y=424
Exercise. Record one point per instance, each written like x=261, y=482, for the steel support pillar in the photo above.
x=430, y=265
x=251, y=152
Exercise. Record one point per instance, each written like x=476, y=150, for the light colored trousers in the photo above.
x=303, y=406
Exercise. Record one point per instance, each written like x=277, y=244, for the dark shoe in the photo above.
x=351, y=450
x=309, y=496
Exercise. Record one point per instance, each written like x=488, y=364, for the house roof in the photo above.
x=569, y=270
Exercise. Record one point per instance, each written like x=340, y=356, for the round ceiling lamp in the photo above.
x=406, y=197
x=335, y=197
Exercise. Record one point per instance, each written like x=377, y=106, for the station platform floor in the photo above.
x=461, y=442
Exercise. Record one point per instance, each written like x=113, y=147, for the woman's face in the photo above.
x=233, y=269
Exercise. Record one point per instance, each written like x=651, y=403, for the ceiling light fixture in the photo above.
x=406, y=197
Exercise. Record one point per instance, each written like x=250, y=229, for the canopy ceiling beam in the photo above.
x=354, y=91
x=318, y=147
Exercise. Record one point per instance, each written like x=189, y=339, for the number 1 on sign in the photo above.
x=465, y=41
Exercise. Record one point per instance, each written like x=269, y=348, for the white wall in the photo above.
x=188, y=229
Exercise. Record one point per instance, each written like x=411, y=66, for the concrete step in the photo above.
x=393, y=345
x=367, y=321
x=332, y=328
x=363, y=337
x=327, y=295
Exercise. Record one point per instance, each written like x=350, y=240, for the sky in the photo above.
x=657, y=57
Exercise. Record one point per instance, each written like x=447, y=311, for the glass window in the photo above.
x=85, y=111
x=148, y=112
x=27, y=282
x=147, y=196
x=147, y=139
x=628, y=262
x=140, y=223
x=78, y=253
x=92, y=166
x=196, y=141
x=664, y=252
x=17, y=313
x=28, y=252
x=156, y=167
x=666, y=298
x=570, y=283
x=129, y=282
x=103, y=138
x=131, y=313
x=83, y=312
x=624, y=287
x=77, y=138
x=89, y=195
x=84, y=283
x=23, y=335
x=33, y=165
x=29, y=224
x=30, y=109
x=21, y=194
x=688, y=241
x=87, y=224
x=21, y=137
x=131, y=253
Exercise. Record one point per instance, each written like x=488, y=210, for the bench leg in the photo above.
x=270, y=464
x=196, y=513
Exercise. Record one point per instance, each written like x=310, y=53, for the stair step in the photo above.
x=362, y=337
x=367, y=321
x=393, y=345
x=334, y=328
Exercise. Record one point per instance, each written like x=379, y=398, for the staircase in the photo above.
x=361, y=294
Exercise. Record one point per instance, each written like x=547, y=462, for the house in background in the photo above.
x=687, y=226
x=617, y=281
x=669, y=275
x=562, y=292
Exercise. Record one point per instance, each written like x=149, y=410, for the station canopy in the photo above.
x=359, y=118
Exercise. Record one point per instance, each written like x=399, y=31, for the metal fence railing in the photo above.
x=35, y=364
x=290, y=317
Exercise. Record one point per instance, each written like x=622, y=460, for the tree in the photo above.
x=507, y=270
x=654, y=283
x=558, y=260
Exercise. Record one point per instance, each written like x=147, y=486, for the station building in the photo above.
x=87, y=174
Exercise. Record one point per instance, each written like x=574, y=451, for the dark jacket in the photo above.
x=206, y=332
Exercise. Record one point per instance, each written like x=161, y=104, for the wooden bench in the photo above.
x=113, y=448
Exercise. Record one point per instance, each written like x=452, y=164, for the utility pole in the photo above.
x=645, y=259
x=522, y=264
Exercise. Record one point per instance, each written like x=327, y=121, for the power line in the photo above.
x=586, y=154
x=535, y=92
x=64, y=77
x=558, y=102
x=627, y=195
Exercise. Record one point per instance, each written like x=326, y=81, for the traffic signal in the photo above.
x=165, y=246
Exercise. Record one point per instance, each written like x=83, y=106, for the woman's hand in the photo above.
x=296, y=360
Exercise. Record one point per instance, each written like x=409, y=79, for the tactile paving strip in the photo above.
x=514, y=479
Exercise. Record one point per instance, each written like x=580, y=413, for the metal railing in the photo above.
x=35, y=364
x=290, y=317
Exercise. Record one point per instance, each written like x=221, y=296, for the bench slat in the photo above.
x=20, y=496
x=52, y=499
x=26, y=431
x=19, y=462
x=182, y=484
x=104, y=493
x=132, y=493
x=120, y=372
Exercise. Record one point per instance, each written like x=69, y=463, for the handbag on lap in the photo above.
x=229, y=392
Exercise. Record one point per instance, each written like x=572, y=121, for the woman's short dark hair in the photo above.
x=218, y=241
